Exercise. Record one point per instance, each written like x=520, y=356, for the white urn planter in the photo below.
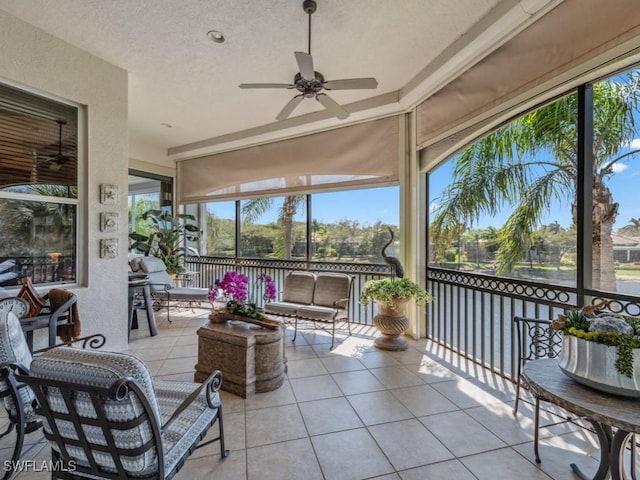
x=392, y=322
x=593, y=364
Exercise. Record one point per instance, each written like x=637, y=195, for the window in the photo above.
x=353, y=226
x=616, y=163
x=274, y=227
x=345, y=226
x=147, y=191
x=503, y=205
x=220, y=229
x=38, y=188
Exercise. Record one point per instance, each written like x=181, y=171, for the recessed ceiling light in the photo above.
x=215, y=36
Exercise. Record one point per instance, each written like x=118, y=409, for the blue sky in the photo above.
x=623, y=185
x=367, y=206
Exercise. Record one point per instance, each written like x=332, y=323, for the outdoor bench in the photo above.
x=319, y=298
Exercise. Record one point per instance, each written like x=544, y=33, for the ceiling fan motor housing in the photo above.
x=309, y=88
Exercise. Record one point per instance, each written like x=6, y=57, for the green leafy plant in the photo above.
x=389, y=290
x=609, y=329
x=167, y=234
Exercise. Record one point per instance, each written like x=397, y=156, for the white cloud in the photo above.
x=635, y=143
x=619, y=167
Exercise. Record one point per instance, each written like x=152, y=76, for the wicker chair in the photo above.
x=105, y=417
x=17, y=397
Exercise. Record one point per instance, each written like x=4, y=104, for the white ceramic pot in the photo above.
x=593, y=364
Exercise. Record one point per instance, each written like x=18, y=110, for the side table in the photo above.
x=141, y=285
x=250, y=358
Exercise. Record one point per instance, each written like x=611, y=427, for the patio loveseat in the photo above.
x=319, y=298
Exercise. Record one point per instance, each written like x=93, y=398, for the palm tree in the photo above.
x=502, y=169
x=632, y=228
x=255, y=208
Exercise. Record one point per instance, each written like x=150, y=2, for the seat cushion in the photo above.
x=282, y=308
x=331, y=287
x=187, y=294
x=157, y=271
x=192, y=423
x=298, y=288
x=101, y=369
x=14, y=348
x=323, y=314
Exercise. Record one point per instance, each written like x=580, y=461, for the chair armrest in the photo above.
x=341, y=303
x=94, y=342
x=62, y=309
x=7, y=367
x=164, y=286
x=212, y=384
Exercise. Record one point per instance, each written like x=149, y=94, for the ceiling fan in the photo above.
x=311, y=84
x=55, y=161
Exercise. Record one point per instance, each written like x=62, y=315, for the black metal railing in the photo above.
x=45, y=269
x=209, y=269
x=472, y=314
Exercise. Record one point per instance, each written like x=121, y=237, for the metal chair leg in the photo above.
x=333, y=334
x=295, y=329
x=224, y=453
x=8, y=430
x=515, y=407
x=535, y=431
x=17, y=449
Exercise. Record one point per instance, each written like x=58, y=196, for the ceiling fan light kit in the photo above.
x=311, y=84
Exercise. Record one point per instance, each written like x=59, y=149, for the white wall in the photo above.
x=39, y=61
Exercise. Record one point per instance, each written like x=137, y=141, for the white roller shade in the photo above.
x=366, y=154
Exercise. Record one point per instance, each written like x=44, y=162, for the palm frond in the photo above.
x=514, y=237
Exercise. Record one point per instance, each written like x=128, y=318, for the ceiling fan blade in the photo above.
x=266, y=85
x=305, y=65
x=351, y=84
x=289, y=107
x=331, y=105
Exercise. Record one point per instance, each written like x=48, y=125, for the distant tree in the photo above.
x=632, y=228
x=253, y=209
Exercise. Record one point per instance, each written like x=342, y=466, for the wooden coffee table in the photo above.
x=251, y=358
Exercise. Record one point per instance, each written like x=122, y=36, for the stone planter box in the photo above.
x=593, y=364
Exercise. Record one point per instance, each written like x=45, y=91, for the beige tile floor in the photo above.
x=360, y=413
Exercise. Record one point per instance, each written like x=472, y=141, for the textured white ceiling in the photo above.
x=177, y=76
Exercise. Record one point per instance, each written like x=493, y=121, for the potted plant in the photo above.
x=167, y=234
x=234, y=300
x=392, y=295
x=601, y=349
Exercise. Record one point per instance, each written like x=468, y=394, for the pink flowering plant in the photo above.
x=233, y=290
